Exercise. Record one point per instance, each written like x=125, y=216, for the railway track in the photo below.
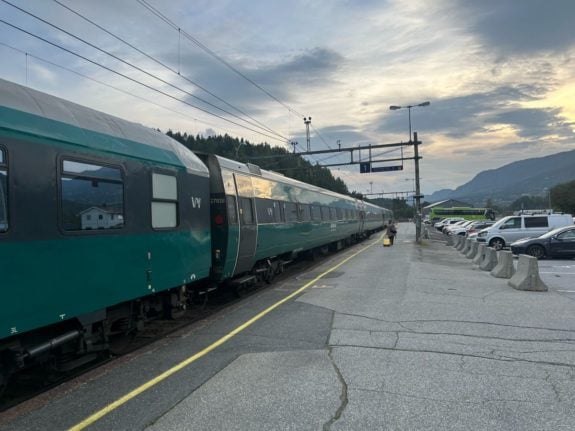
x=35, y=382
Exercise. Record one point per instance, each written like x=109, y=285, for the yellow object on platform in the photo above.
x=386, y=242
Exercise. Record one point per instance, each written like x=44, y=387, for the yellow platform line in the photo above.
x=120, y=401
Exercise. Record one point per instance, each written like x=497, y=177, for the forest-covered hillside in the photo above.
x=266, y=157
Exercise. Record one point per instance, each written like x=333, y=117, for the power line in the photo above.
x=142, y=70
x=109, y=86
x=135, y=80
x=165, y=66
x=195, y=41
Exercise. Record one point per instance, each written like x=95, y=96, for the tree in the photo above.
x=563, y=197
x=528, y=203
x=265, y=156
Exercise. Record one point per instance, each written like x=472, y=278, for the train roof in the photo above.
x=25, y=110
x=252, y=169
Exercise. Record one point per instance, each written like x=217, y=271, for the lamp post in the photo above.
x=408, y=107
x=416, y=158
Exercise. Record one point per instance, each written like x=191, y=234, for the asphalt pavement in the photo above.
x=404, y=337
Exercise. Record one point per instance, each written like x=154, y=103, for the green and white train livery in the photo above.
x=105, y=224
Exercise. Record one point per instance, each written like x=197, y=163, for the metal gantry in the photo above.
x=366, y=167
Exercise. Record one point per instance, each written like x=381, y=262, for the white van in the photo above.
x=513, y=228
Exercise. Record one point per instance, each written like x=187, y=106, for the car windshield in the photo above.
x=553, y=232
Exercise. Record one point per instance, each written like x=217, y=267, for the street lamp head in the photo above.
x=394, y=107
x=424, y=104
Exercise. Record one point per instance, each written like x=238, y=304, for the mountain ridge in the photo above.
x=507, y=183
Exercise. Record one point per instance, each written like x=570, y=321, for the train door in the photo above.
x=247, y=222
x=361, y=220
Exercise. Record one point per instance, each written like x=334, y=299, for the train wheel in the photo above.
x=270, y=273
x=199, y=298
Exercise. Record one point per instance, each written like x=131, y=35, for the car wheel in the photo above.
x=536, y=251
x=497, y=243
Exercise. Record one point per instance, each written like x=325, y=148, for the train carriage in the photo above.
x=95, y=211
x=261, y=217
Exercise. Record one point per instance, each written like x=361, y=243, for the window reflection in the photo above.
x=92, y=197
x=164, y=201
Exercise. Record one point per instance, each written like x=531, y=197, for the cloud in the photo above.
x=535, y=123
x=283, y=79
x=521, y=27
x=462, y=116
x=521, y=145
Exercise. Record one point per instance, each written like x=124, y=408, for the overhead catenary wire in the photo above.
x=283, y=140
x=44, y=60
x=136, y=81
x=201, y=45
x=149, y=74
x=157, y=61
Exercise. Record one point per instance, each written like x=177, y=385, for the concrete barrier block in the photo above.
x=480, y=253
x=463, y=244
x=466, y=247
x=449, y=240
x=473, y=250
x=527, y=275
x=458, y=242
x=504, y=267
x=489, y=259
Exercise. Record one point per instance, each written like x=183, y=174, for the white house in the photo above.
x=97, y=218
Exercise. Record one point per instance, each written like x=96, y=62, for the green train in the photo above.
x=106, y=224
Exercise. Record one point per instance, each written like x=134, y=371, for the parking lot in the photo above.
x=558, y=274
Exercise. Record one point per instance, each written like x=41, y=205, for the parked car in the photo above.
x=556, y=243
x=447, y=221
x=477, y=226
x=457, y=228
x=513, y=228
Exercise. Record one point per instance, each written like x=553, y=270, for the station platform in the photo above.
x=403, y=337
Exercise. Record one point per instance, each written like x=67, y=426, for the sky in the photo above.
x=499, y=74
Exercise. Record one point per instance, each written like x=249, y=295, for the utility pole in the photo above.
x=307, y=122
x=417, y=189
x=293, y=143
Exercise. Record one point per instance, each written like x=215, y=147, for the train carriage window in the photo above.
x=92, y=196
x=324, y=213
x=3, y=192
x=290, y=211
x=315, y=212
x=246, y=211
x=332, y=214
x=232, y=210
x=305, y=212
x=339, y=213
x=279, y=213
x=164, y=201
x=265, y=209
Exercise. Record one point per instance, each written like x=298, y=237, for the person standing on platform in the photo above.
x=391, y=232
